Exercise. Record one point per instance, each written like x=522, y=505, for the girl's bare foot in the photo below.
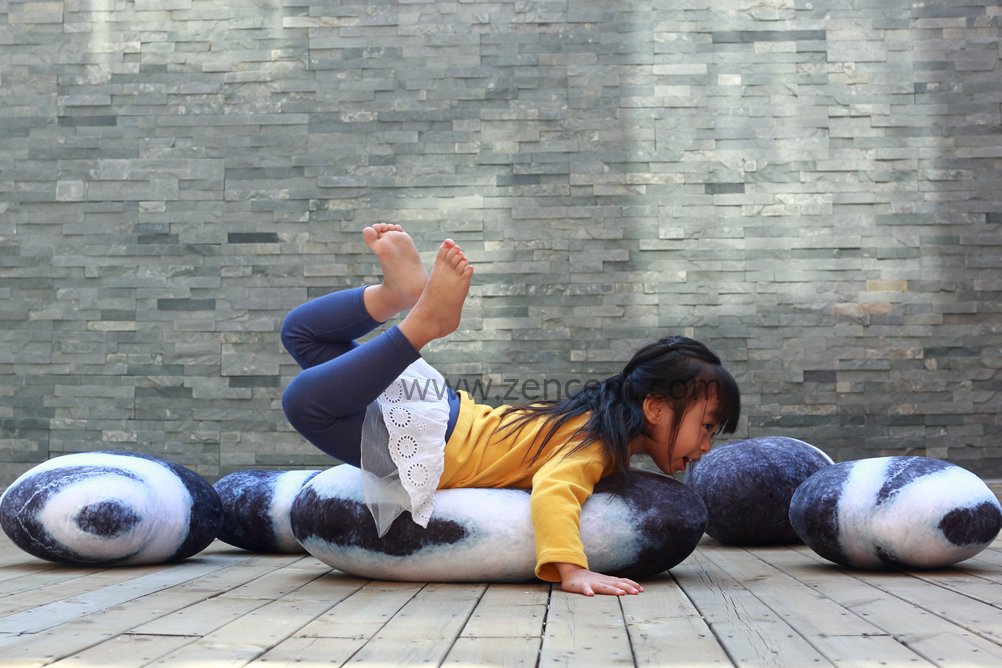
x=438, y=311
x=404, y=276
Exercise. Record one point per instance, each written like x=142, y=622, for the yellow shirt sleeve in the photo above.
x=559, y=489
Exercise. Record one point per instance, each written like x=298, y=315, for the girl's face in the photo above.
x=695, y=433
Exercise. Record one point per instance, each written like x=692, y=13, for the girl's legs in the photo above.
x=326, y=403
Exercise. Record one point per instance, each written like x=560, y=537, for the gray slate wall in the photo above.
x=810, y=187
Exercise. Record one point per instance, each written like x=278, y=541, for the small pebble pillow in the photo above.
x=110, y=508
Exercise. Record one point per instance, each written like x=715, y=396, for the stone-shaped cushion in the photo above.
x=747, y=486
x=256, y=506
x=896, y=512
x=110, y=508
x=486, y=535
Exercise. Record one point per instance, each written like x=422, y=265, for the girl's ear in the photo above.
x=655, y=408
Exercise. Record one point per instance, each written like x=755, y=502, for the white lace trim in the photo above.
x=403, y=446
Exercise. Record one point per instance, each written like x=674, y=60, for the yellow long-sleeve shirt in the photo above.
x=480, y=453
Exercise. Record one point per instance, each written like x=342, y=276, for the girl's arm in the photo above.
x=559, y=489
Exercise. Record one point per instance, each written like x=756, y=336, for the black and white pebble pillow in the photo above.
x=256, y=507
x=110, y=508
x=486, y=535
x=747, y=486
x=896, y=512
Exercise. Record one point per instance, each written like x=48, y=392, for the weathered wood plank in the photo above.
x=791, y=600
x=509, y=611
x=838, y=633
x=126, y=650
x=986, y=564
x=43, y=583
x=494, y=651
x=108, y=592
x=300, y=651
x=964, y=611
x=237, y=600
x=722, y=606
x=335, y=636
x=269, y=620
x=248, y=636
x=424, y=629
x=969, y=583
x=362, y=614
x=94, y=628
x=583, y=630
x=881, y=650
x=44, y=648
x=505, y=629
x=934, y=638
x=280, y=582
x=747, y=629
x=83, y=582
x=11, y=553
x=666, y=628
x=199, y=618
x=18, y=578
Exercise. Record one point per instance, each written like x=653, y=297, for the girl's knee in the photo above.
x=289, y=334
x=296, y=405
x=308, y=405
x=338, y=436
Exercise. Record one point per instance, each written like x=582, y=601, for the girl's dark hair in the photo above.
x=679, y=370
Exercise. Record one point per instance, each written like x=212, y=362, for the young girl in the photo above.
x=378, y=406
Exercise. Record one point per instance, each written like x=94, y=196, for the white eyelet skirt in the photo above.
x=403, y=446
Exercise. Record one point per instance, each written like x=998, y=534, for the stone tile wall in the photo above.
x=810, y=187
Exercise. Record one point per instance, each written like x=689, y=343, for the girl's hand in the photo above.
x=579, y=580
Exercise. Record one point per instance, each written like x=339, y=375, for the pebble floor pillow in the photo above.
x=256, y=506
x=110, y=508
x=896, y=512
x=486, y=535
x=747, y=486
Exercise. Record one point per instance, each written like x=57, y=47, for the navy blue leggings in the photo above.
x=326, y=402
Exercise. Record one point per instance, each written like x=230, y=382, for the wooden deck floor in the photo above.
x=722, y=606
